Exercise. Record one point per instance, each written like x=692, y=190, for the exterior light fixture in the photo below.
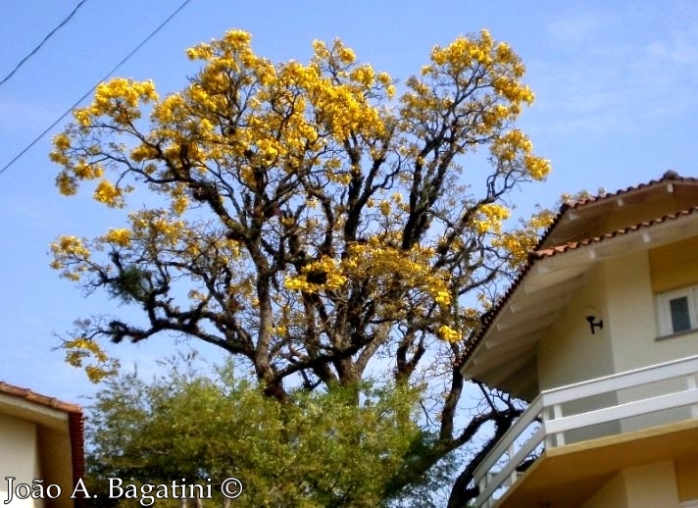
x=590, y=316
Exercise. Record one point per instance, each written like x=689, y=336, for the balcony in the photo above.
x=573, y=439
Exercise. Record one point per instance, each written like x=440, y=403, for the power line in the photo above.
x=50, y=34
x=104, y=78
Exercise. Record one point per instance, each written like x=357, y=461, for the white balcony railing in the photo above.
x=543, y=424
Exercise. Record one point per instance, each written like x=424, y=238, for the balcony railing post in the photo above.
x=692, y=385
x=483, y=482
x=554, y=412
x=512, y=452
x=560, y=436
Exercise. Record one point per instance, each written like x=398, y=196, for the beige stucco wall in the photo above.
x=18, y=457
x=632, y=318
x=633, y=325
x=674, y=266
x=569, y=353
x=631, y=313
x=611, y=495
x=651, y=486
x=55, y=463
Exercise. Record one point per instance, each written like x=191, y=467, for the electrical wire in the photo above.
x=104, y=78
x=50, y=34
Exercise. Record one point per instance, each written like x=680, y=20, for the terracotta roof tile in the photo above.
x=557, y=249
x=27, y=394
x=488, y=318
x=668, y=176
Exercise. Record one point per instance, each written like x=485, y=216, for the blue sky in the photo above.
x=616, y=105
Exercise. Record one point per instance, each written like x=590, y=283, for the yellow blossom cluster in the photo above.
x=66, y=184
x=331, y=272
x=513, y=146
x=76, y=167
x=144, y=152
x=157, y=228
x=364, y=74
x=119, y=236
x=70, y=245
x=508, y=146
x=80, y=349
x=345, y=109
x=520, y=242
x=240, y=111
x=289, y=108
x=119, y=99
x=180, y=199
x=107, y=193
x=490, y=217
x=442, y=296
x=61, y=142
x=469, y=65
x=170, y=111
x=341, y=99
x=448, y=334
x=376, y=262
x=65, y=251
x=537, y=167
x=517, y=244
x=83, y=347
x=465, y=52
x=85, y=171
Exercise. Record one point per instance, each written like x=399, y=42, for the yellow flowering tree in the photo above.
x=311, y=218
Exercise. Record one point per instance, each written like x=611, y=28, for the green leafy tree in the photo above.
x=310, y=221
x=318, y=449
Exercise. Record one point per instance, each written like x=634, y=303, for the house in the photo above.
x=599, y=334
x=40, y=438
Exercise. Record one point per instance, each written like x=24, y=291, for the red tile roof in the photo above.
x=75, y=426
x=26, y=394
x=557, y=249
x=538, y=253
x=668, y=176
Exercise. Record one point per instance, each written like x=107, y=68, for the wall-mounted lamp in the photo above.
x=590, y=315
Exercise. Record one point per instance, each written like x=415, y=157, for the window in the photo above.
x=677, y=311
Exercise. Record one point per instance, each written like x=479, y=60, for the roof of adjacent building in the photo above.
x=37, y=398
x=75, y=423
x=562, y=237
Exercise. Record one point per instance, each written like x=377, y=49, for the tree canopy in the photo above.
x=320, y=449
x=309, y=219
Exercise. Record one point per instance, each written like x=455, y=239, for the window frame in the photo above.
x=666, y=327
